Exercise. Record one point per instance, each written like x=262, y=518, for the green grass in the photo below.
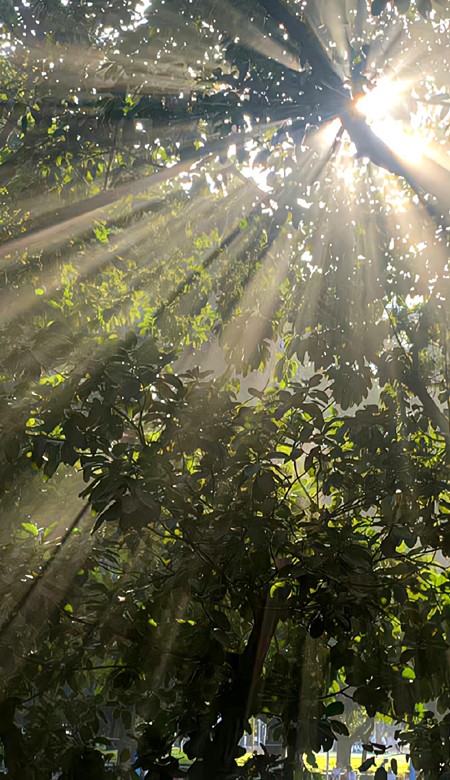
x=183, y=759
x=321, y=761
x=357, y=759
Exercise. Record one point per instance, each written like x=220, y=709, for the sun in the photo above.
x=409, y=142
x=377, y=103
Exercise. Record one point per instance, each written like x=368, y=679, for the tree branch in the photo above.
x=415, y=383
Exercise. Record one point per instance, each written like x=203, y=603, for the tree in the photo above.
x=255, y=549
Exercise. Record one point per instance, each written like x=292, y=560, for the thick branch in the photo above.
x=366, y=141
x=414, y=382
x=236, y=700
x=416, y=385
x=369, y=145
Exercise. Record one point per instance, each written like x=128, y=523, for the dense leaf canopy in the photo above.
x=224, y=352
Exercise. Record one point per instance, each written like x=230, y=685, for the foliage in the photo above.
x=228, y=334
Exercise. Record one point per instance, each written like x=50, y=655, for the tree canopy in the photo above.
x=225, y=397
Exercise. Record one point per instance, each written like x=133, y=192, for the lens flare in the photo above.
x=382, y=99
x=378, y=105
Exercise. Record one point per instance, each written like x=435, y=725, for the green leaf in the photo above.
x=339, y=728
x=367, y=764
x=263, y=485
x=334, y=708
x=30, y=528
x=101, y=233
x=317, y=626
x=221, y=620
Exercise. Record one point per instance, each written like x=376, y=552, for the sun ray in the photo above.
x=31, y=591
x=76, y=218
x=153, y=229
x=335, y=246
x=252, y=34
x=56, y=234
x=246, y=328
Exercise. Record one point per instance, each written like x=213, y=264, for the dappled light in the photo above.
x=225, y=389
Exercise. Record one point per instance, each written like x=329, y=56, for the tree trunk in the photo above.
x=344, y=751
x=235, y=701
x=16, y=760
x=292, y=758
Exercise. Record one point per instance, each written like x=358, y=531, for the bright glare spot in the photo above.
x=393, y=195
x=186, y=182
x=304, y=203
x=258, y=173
x=377, y=106
x=346, y=170
x=330, y=130
x=411, y=147
x=378, y=103
x=142, y=7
